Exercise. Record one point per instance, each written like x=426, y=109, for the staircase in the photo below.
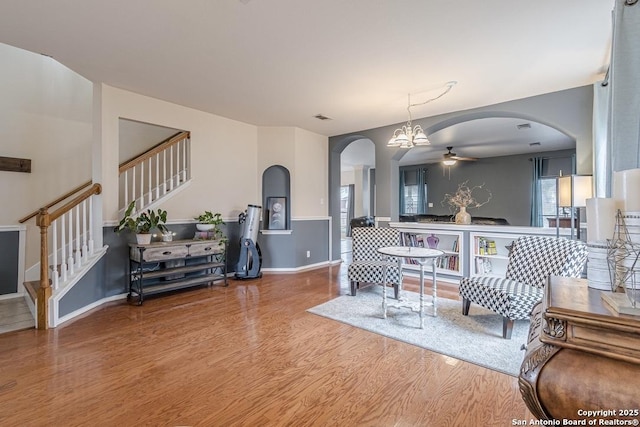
x=155, y=174
x=67, y=247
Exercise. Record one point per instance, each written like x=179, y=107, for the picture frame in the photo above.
x=277, y=213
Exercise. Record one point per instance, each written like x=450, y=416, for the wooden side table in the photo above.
x=581, y=356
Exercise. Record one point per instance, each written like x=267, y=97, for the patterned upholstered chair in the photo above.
x=367, y=265
x=531, y=261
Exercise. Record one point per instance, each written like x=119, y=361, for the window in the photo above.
x=544, y=203
x=413, y=191
x=548, y=193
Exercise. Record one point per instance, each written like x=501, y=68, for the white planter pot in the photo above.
x=204, y=227
x=143, y=238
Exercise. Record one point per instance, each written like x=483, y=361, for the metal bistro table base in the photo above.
x=424, y=257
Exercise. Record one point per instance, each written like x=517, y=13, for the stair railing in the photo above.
x=69, y=231
x=156, y=172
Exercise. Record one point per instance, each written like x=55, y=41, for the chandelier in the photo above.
x=411, y=136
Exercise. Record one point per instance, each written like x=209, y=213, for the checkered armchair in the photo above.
x=367, y=265
x=531, y=261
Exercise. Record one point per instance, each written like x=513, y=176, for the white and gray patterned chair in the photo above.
x=367, y=265
x=531, y=261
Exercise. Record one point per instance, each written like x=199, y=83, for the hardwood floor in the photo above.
x=245, y=355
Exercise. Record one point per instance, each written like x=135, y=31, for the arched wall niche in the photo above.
x=276, y=183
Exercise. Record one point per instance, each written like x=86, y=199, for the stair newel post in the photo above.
x=44, y=293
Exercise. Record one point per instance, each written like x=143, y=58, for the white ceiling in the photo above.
x=280, y=62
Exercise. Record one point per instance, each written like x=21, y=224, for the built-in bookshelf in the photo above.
x=450, y=242
x=490, y=253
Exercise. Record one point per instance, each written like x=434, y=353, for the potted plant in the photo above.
x=211, y=222
x=143, y=223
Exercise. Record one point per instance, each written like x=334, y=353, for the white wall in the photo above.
x=224, y=155
x=45, y=116
x=305, y=155
x=310, y=180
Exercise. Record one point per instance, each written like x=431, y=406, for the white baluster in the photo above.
x=63, y=248
x=91, y=225
x=78, y=238
x=164, y=171
x=142, y=185
x=184, y=159
x=157, y=156
x=171, y=168
x=133, y=186
x=126, y=188
x=85, y=252
x=70, y=243
x=150, y=183
x=54, y=258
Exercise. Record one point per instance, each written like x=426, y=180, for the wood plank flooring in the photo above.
x=245, y=355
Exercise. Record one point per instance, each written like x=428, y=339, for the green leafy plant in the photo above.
x=214, y=219
x=210, y=218
x=144, y=222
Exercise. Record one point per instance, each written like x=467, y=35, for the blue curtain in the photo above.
x=536, y=193
x=422, y=191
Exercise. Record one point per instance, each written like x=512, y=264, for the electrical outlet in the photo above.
x=430, y=204
x=308, y=254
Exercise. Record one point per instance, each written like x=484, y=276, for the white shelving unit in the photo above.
x=489, y=254
x=467, y=236
x=450, y=242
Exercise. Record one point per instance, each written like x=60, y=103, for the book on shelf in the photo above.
x=486, y=246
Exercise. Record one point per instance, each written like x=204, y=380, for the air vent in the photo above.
x=534, y=144
x=524, y=126
x=321, y=117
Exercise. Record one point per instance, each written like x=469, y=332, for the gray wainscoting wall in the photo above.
x=279, y=252
x=9, y=248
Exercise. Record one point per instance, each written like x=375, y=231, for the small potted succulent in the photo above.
x=210, y=222
x=142, y=224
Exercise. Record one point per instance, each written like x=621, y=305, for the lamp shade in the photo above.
x=574, y=190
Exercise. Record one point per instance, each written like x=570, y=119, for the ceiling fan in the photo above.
x=450, y=159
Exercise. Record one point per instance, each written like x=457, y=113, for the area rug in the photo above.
x=476, y=338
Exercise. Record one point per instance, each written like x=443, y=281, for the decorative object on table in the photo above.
x=142, y=224
x=622, y=257
x=464, y=198
x=277, y=213
x=168, y=236
x=210, y=222
x=432, y=241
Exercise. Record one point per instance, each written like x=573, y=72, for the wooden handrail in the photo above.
x=56, y=201
x=45, y=218
x=153, y=151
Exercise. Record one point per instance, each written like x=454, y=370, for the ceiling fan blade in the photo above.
x=463, y=159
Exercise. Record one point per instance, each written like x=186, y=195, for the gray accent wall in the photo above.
x=289, y=251
x=9, y=248
x=280, y=251
x=508, y=178
x=569, y=111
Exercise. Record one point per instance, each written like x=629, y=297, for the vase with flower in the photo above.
x=464, y=199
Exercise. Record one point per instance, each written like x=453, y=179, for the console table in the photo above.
x=167, y=266
x=581, y=356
